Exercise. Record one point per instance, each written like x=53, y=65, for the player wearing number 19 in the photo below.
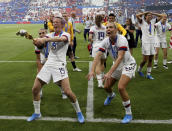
x=123, y=68
x=97, y=34
x=55, y=67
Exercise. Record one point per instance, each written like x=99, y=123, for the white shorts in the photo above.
x=148, y=49
x=56, y=72
x=128, y=70
x=95, y=50
x=161, y=44
x=43, y=59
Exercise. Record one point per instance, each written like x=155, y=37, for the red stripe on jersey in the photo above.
x=91, y=32
x=127, y=105
x=124, y=48
x=66, y=37
x=37, y=52
x=102, y=50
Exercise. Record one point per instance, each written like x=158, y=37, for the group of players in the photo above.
x=108, y=39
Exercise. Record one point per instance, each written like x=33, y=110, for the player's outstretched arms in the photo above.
x=90, y=75
x=39, y=42
x=95, y=62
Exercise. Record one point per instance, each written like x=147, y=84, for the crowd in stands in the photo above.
x=38, y=10
x=13, y=10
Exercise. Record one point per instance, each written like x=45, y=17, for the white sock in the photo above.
x=149, y=69
x=111, y=94
x=37, y=106
x=155, y=62
x=164, y=61
x=76, y=106
x=40, y=92
x=61, y=89
x=99, y=79
x=127, y=107
x=139, y=69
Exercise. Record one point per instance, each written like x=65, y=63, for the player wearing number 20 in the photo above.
x=123, y=68
x=97, y=34
x=55, y=67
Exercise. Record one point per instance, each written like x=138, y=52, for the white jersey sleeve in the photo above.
x=37, y=51
x=67, y=35
x=169, y=27
x=104, y=45
x=122, y=44
x=92, y=30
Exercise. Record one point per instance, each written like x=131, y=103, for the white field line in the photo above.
x=97, y=120
x=90, y=98
x=35, y=61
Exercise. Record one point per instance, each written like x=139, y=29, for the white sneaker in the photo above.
x=169, y=62
x=165, y=66
x=64, y=96
x=77, y=69
x=101, y=86
x=155, y=66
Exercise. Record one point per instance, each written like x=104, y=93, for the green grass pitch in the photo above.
x=150, y=99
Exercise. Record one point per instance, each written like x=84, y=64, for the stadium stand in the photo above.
x=38, y=10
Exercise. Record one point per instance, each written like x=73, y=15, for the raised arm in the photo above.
x=158, y=15
x=139, y=17
x=95, y=62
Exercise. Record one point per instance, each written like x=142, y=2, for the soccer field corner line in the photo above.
x=27, y=61
x=92, y=120
x=89, y=108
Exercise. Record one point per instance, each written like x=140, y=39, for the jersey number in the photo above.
x=54, y=46
x=101, y=35
x=62, y=71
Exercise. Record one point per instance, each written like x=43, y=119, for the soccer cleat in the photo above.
x=76, y=57
x=64, y=96
x=109, y=99
x=141, y=73
x=169, y=62
x=165, y=66
x=155, y=66
x=100, y=86
x=77, y=69
x=80, y=117
x=149, y=77
x=127, y=119
x=34, y=117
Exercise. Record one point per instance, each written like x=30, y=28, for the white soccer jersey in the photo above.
x=161, y=31
x=87, y=24
x=43, y=53
x=98, y=34
x=57, y=55
x=113, y=48
x=148, y=35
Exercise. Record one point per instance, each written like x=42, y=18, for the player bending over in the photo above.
x=123, y=68
x=97, y=34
